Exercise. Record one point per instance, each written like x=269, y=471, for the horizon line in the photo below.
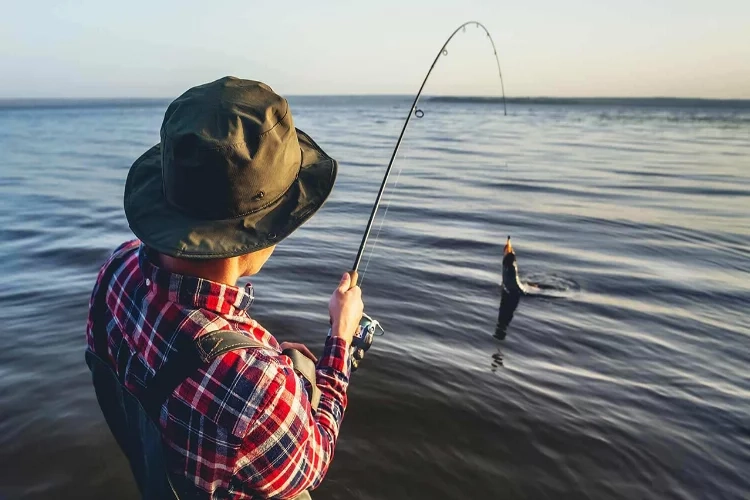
x=31, y=103
x=442, y=96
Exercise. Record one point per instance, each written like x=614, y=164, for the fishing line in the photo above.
x=419, y=113
x=382, y=220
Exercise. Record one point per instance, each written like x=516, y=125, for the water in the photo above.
x=632, y=385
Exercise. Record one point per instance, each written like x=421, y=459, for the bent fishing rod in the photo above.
x=369, y=327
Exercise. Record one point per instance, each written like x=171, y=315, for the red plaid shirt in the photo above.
x=240, y=427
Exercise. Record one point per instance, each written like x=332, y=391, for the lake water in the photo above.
x=633, y=384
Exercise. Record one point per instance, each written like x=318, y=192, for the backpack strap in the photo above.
x=212, y=345
x=190, y=356
x=305, y=368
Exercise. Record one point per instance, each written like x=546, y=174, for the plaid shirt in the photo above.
x=240, y=427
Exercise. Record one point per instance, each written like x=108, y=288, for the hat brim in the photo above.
x=166, y=229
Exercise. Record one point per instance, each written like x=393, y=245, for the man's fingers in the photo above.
x=345, y=282
x=304, y=350
x=301, y=348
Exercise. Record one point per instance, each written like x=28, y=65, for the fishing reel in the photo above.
x=366, y=332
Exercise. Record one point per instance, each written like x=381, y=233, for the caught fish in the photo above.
x=511, y=283
x=550, y=287
x=512, y=291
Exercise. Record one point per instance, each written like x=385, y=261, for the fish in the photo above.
x=512, y=291
x=511, y=282
x=553, y=287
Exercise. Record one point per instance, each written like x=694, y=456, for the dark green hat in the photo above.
x=230, y=176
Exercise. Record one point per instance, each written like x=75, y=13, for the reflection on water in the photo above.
x=508, y=304
x=497, y=360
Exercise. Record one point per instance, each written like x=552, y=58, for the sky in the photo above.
x=578, y=48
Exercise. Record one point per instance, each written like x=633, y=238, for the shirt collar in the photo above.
x=192, y=291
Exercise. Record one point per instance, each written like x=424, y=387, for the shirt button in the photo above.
x=148, y=282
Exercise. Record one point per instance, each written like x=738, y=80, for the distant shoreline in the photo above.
x=655, y=102
x=603, y=101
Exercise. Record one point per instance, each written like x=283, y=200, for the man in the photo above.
x=230, y=179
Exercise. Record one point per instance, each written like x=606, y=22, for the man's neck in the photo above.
x=219, y=270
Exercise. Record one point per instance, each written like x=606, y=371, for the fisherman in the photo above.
x=197, y=394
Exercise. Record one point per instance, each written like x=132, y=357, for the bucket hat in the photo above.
x=231, y=175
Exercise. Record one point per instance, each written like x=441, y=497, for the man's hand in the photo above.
x=301, y=348
x=345, y=309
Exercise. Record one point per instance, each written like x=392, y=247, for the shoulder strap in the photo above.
x=190, y=356
x=212, y=345
x=305, y=367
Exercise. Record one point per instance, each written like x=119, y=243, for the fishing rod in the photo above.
x=369, y=327
x=415, y=111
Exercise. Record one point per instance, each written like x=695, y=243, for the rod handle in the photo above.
x=354, y=275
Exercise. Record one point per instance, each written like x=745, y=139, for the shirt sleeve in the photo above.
x=291, y=447
x=117, y=253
